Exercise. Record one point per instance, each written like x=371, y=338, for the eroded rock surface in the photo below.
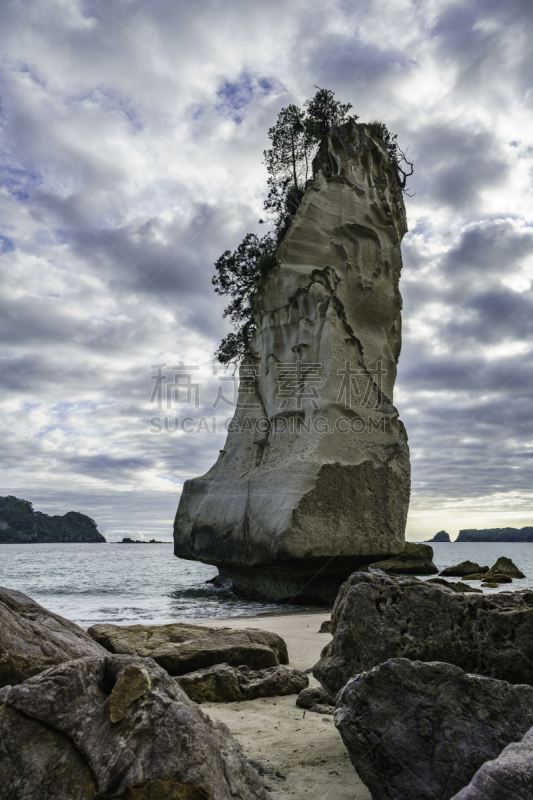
x=225, y=684
x=115, y=726
x=418, y=731
x=314, y=478
x=33, y=639
x=378, y=618
x=180, y=648
x=508, y=777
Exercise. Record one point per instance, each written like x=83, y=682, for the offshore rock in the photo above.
x=454, y=586
x=33, y=639
x=314, y=478
x=115, y=726
x=415, y=559
x=508, y=777
x=180, y=648
x=375, y=619
x=462, y=569
x=418, y=731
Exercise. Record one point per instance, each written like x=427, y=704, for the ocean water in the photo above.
x=124, y=584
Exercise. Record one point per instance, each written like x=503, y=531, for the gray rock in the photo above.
x=33, y=639
x=419, y=731
x=376, y=618
x=225, y=684
x=455, y=586
x=314, y=695
x=462, y=569
x=415, y=559
x=325, y=627
x=508, y=777
x=115, y=726
x=180, y=648
x=308, y=488
x=504, y=566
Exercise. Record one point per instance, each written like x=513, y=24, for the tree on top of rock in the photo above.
x=296, y=138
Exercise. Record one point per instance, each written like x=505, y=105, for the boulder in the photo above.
x=314, y=477
x=313, y=696
x=33, y=639
x=508, y=777
x=476, y=576
x=497, y=578
x=325, y=627
x=225, y=684
x=115, y=726
x=419, y=731
x=180, y=648
x=464, y=568
x=504, y=566
x=415, y=559
x=376, y=618
x=455, y=587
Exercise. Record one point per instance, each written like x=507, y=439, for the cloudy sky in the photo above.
x=132, y=135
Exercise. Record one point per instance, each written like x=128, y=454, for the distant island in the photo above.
x=496, y=535
x=20, y=524
x=140, y=541
x=441, y=536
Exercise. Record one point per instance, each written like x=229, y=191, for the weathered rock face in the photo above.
x=180, y=648
x=375, y=619
x=33, y=639
x=316, y=464
x=418, y=731
x=225, y=684
x=415, y=559
x=508, y=777
x=120, y=727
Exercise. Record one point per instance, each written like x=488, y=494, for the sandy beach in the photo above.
x=302, y=753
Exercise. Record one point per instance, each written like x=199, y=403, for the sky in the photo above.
x=131, y=144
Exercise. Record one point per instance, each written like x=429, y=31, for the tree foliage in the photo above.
x=295, y=139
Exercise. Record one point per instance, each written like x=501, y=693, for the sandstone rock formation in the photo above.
x=115, y=726
x=225, y=684
x=180, y=648
x=418, y=731
x=508, y=777
x=415, y=559
x=314, y=478
x=33, y=639
x=375, y=619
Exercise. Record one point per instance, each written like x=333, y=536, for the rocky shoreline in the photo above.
x=413, y=690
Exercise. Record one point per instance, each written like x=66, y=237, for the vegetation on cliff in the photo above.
x=20, y=524
x=496, y=535
x=297, y=138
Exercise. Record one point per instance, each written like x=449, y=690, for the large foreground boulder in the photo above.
x=33, y=639
x=314, y=478
x=508, y=777
x=225, y=684
x=180, y=648
x=115, y=727
x=415, y=559
x=377, y=618
x=419, y=731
